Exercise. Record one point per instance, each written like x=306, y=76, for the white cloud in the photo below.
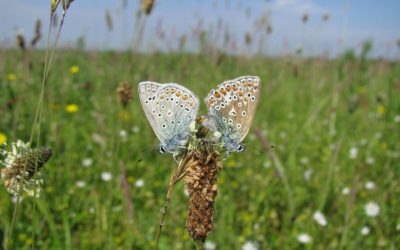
x=298, y=7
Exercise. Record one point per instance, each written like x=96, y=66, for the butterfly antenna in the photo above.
x=260, y=148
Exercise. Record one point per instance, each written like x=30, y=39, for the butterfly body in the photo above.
x=170, y=109
x=231, y=107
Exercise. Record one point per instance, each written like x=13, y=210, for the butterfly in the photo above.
x=170, y=109
x=231, y=107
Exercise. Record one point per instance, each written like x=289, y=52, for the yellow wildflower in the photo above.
x=381, y=109
x=12, y=77
x=74, y=69
x=3, y=138
x=72, y=108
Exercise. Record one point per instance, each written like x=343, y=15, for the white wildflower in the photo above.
x=139, y=183
x=397, y=118
x=365, y=230
x=250, y=245
x=370, y=160
x=123, y=134
x=106, y=176
x=307, y=174
x=135, y=129
x=346, y=191
x=80, y=184
x=320, y=218
x=209, y=245
x=369, y=185
x=91, y=210
x=304, y=238
x=353, y=153
x=87, y=162
x=371, y=209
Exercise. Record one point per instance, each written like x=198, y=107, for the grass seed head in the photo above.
x=38, y=34
x=109, y=20
x=305, y=18
x=54, y=5
x=21, y=165
x=124, y=93
x=21, y=41
x=147, y=6
x=201, y=184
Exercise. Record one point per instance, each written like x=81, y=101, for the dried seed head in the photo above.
x=124, y=93
x=38, y=34
x=109, y=20
x=247, y=38
x=305, y=18
x=147, y=6
x=21, y=164
x=21, y=41
x=201, y=184
x=269, y=29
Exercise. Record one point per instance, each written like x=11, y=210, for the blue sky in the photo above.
x=351, y=22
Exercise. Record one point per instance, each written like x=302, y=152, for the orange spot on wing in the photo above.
x=241, y=93
x=185, y=97
x=223, y=91
x=217, y=94
x=234, y=87
x=178, y=93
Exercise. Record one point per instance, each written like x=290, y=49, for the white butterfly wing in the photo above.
x=170, y=108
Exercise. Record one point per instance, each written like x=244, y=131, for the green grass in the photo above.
x=313, y=111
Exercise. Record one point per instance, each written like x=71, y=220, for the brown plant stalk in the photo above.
x=198, y=167
x=201, y=183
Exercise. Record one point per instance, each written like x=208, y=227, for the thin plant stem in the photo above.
x=199, y=245
x=176, y=176
x=38, y=117
x=279, y=167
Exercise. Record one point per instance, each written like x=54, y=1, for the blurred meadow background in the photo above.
x=330, y=106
